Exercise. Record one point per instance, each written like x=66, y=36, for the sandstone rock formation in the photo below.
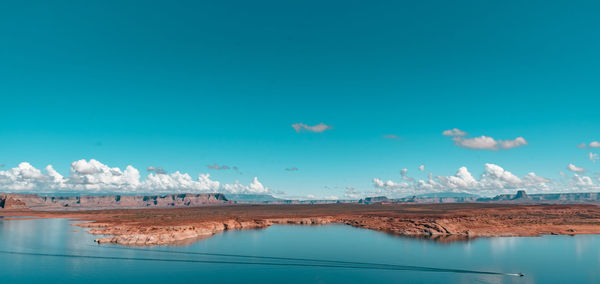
x=38, y=202
x=9, y=202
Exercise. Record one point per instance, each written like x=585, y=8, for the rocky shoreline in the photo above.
x=440, y=222
x=168, y=235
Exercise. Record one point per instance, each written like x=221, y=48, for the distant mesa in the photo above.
x=521, y=195
x=375, y=199
x=39, y=202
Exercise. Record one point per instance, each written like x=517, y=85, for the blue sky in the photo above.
x=182, y=85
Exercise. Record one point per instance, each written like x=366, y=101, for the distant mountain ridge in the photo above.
x=38, y=202
x=34, y=201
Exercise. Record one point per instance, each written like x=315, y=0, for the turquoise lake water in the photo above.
x=548, y=259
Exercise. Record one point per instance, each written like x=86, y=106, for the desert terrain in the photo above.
x=441, y=222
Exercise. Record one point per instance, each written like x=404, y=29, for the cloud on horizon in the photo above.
x=494, y=180
x=94, y=177
x=482, y=142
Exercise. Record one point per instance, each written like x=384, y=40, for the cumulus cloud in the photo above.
x=391, y=136
x=494, y=180
x=422, y=168
x=582, y=181
x=576, y=169
x=179, y=182
x=292, y=169
x=318, y=128
x=389, y=185
x=461, y=180
x=581, y=146
x=27, y=177
x=482, y=142
x=94, y=176
x=255, y=187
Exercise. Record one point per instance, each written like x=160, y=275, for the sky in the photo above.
x=300, y=99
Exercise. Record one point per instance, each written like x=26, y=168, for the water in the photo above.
x=549, y=259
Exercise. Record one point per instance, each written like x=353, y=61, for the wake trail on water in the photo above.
x=367, y=266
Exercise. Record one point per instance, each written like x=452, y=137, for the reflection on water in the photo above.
x=549, y=259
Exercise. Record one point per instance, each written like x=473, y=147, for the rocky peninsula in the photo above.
x=442, y=222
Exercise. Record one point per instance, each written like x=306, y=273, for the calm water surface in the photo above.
x=550, y=259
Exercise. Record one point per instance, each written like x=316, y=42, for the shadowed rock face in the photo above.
x=7, y=202
x=36, y=202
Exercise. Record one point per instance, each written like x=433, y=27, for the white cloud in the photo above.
x=593, y=157
x=494, y=180
x=93, y=176
x=593, y=144
x=318, y=128
x=96, y=176
x=482, y=142
x=256, y=187
x=27, y=177
x=454, y=132
x=461, y=180
x=479, y=143
x=179, y=182
x=495, y=176
x=488, y=143
x=352, y=193
x=582, y=181
x=575, y=168
x=536, y=183
x=509, y=144
x=422, y=168
x=389, y=185
x=404, y=175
